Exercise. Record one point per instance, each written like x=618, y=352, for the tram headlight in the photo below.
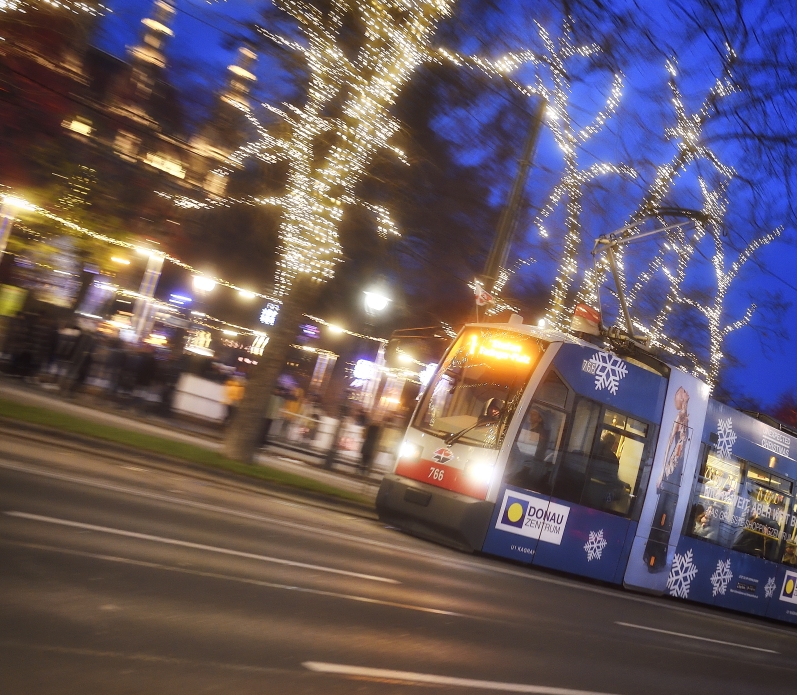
x=480, y=472
x=409, y=452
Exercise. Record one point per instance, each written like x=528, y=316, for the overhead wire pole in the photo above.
x=507, y=223
x=629, y=234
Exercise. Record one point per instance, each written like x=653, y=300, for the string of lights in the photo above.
x=319, y=191
x=690, y=148
x=22, y=204
x=568, y=136
x=75, y=6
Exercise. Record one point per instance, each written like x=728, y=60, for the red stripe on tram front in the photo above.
x=440, y=475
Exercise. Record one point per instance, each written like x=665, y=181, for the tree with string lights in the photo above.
x=687, y=135
x=667, y=293
x=710, y=305
x=327, y=144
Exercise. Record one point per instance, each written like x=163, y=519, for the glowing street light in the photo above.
x=8, y=212
x=246, y=294
x=376, y=300
x=203, y=283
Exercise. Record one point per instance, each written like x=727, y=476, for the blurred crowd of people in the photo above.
x=70, y=355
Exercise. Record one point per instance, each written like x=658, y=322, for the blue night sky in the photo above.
x=204, y=45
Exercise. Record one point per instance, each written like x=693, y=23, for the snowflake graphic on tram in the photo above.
x=543, y=448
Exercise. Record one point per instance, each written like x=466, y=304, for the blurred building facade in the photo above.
x=64, y=99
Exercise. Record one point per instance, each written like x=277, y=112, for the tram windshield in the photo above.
x=474, y=394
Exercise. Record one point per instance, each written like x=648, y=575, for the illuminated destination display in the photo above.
x=499, y=350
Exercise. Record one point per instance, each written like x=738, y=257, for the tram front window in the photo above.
x=474, y=394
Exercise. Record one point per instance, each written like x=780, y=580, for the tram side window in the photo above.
x=766, y=511
x=738, y=506
x=602, y=465
x=615, y=466
x=533, y=455
x=790, y=541
x=572, y=469
x=552, y=390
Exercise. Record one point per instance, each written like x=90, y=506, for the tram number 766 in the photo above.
x=435, y=473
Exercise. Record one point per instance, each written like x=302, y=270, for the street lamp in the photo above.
x=202, y=283
x=8, y=213
x=376, y=301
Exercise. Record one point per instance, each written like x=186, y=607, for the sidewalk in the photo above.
x=101, y=412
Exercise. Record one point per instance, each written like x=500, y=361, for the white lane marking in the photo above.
x=197, y=546
x=242, y=580
x=411, y=677
x=133, y=656
x=448, y=559
x=696, y=637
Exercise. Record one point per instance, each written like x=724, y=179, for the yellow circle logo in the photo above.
x=789, y=586
x=514, y=512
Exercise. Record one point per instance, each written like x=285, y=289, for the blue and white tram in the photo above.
x=536, y=446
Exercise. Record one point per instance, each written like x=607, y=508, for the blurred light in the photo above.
x=376, y=300
x=259, y=344
x=428, y=372
x=405, y=357
x=198, y=313
x=309, y=330
x=541, y=323
x=481, y=472
x=79, y=127
x=231, y=334
x=203, y=283
x=269, y=314
x=205, y=352
x=120, y=261
x=364, y=370
x=334, y=329
x=179, y=298
x=13, y=201
x=246, y=294
x=409, y=451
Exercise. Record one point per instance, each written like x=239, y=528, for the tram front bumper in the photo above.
x=430, y=512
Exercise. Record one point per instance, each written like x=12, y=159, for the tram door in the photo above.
x=577, y=467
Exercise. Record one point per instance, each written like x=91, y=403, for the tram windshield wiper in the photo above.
x=454, y=437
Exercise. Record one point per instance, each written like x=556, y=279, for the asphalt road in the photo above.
x=119, y=578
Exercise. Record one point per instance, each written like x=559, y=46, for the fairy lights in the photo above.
x=713, y=311
x=690, y=148
x=570, y=139
x=556, y=89
x=94, y=9
x=19, y=203
x=319, y=189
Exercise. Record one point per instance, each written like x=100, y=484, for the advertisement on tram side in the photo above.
x=673, y=470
